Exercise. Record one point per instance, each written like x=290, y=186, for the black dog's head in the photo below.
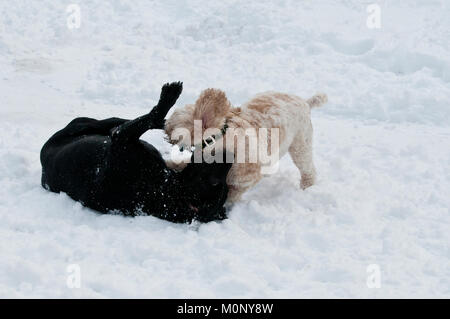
x=205, y=183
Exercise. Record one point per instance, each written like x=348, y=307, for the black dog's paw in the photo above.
x=170, y=93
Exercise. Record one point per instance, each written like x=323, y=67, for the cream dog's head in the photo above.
x=211, y=108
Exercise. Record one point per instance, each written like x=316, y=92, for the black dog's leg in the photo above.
x=132, y=130
x=84, y=126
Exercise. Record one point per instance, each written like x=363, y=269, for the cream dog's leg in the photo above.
x=242, y=177
x=302, y=154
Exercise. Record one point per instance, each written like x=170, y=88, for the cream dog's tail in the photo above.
x=317, y=100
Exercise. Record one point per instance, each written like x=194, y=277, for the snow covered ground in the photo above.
x=382, y=147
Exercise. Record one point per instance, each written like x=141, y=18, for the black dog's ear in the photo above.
x=189, y=174
x=212, y=173
x=220, y=172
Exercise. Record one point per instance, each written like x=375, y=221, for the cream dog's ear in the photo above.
x=180, y=118
x=211, y=107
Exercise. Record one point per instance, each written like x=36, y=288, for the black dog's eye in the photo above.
x=213, y=181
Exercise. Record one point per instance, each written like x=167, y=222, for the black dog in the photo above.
x=105, y=166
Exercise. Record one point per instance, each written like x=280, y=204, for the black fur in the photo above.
x=104, y=165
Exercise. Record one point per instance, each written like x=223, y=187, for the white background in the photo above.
x=382, y=147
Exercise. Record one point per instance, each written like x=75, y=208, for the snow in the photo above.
x=382, y=147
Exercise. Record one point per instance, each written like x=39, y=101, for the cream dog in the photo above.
x=288, y=113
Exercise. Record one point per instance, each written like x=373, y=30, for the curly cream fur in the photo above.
x=289, y=113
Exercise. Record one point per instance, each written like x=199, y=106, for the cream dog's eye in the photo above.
x=181, y=147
